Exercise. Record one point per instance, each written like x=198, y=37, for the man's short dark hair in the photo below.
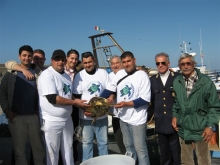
x=26, y=48
x=127, y=54
x=40, y=51
x=72, y=51
x=87, y=54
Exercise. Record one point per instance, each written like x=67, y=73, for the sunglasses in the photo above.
x=59, y=59
x=162, y=63
x=186, y=63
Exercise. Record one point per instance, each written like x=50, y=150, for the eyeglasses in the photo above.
x=162, y=63
x=186, y=63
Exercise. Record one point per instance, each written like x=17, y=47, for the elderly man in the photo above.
x=196, y=111
x=162, y=100
x=116, y=65
x=55, y=92
x=133, y=96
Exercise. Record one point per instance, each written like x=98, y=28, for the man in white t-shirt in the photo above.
x=116, y=65
x=133, y=96
x=88, y=83
x=55, y=97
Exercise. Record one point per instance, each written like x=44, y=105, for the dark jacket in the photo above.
x=200, y=110
x=162, y=100
x=7, y=87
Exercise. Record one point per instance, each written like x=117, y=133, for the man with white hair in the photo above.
x=115, y=64
x=196, y=111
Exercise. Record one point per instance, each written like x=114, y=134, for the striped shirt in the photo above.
x=70, y=72
x=190, y=82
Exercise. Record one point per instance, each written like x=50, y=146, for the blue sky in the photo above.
x=144, y=27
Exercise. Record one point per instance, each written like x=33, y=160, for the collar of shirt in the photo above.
x=69, y=70
x=164, y=76
x=193, y=78
x=190, y=82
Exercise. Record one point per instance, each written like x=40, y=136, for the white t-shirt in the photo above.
x=115, y=111
x=132, y=87
x=90, y=86
x=52, y=82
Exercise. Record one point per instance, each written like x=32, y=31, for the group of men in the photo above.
x=55, y=104
x=186, y=107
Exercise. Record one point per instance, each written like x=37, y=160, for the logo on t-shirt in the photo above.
x=127, y=89
x=66, y=89
x=94, y=87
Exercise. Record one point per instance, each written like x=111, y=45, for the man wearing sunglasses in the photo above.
x=56, y=100
x=162, y=100
x=196, y=111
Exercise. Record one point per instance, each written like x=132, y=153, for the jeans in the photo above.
x=201, y=149
x=27, y=127
x=99, y=128
x=134, y=138
x=118, y=134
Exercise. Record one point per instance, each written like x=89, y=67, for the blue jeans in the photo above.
x=99, y=128
x=134, y=138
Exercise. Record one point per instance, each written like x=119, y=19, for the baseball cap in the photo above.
x=58, y=54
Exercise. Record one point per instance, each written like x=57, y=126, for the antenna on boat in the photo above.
x=200, y=47
x=184, y=48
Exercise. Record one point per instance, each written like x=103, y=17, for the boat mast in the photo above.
x=184, y=47
x=200, y=47
x=106, y=49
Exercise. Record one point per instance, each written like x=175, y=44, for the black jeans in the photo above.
x=169, y=149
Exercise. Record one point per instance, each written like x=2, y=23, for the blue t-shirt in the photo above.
x=25, y=98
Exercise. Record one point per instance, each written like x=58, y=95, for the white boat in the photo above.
x=214, y=75
x=100, y=51
x=183, y=48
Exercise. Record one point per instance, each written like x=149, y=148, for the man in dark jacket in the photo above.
x=196, y=111
x=19, y=101
x=162, y=100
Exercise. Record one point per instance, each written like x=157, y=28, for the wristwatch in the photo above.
x=212, y=128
